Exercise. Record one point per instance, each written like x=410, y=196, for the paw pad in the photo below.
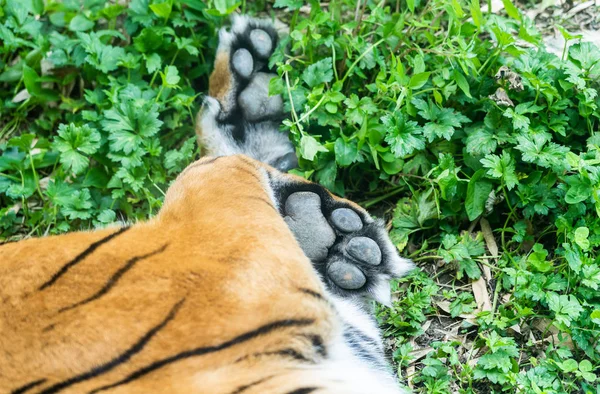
x=305, y=218
x=346, y=220
x=262, y=42
x=255, y=100
x=242, y=62
x=365, y=250
x=346, y=275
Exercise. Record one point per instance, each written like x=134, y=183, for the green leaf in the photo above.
x=511, y=10
x=478, y=191
x=442, y=121
x=586, y=54
x=309, y=147
x=470, y=268
x=30, y=79
x=170, y=77
x=107, y=216
x=418, y=80
x=129, y=124
x=569, y=365
x=481, y=141
x=75, y=144
x=177, y=159
x=537, y=259
x=476, y=13
x=573, y=257
x=346, y=152
x=566, y=307
x=102, y=57
x=501, y=167
x=162, y=10
x=578, y=192
x=585, y=366
x=80, y=23
x=153, y=62
x=318, y=73
x=581, y=237
x=291, y=4
x=403, y=136
x=24, y=142
x=223, y=7
x=595, y=316
x=392, y=167
x=462, y=83
x=545, y=154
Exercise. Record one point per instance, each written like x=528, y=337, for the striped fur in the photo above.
x=213, y=295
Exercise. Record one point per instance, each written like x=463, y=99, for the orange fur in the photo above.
x=221, y=250
x=219, y=84
x=219, y=87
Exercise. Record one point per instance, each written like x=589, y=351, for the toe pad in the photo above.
x=364, y=249
x=262, y=42
x=346, y=220
x=242, y=62
x=346, y=275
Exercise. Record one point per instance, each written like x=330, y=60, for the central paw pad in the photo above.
x=305, y=219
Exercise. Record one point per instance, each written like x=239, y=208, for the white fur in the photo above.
x=344, y=371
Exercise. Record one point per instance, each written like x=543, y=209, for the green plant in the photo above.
x=487, y=148
x=439, y=104
x=97, y=107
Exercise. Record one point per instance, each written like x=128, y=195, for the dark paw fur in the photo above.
x=350, y=250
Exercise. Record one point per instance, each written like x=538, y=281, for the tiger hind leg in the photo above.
x=239, y=116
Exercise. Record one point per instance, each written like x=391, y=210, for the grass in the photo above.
x=456, y=124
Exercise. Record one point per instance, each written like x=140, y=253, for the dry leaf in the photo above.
x=482, y=297
x=501, y=98
x=507, y=75
x=418, y=354
x=445, y=306
x=491, y=244
x=545, y=326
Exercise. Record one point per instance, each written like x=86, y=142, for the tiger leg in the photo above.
x=239, y=116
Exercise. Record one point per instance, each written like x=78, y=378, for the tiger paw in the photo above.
x=248, y=118
x=350, y=249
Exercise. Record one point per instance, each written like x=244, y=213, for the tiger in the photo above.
x=248, y=280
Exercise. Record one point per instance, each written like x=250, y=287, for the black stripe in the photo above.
x=209, y=349
x=81, y=256
x=120, y=359
x=28, y=386
x=318, y=344
x=353, y=331
x=287, y=352
x=112, y=281
x=313, y=293
x=363, y=351
x=304, y=390
x=241, y=389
